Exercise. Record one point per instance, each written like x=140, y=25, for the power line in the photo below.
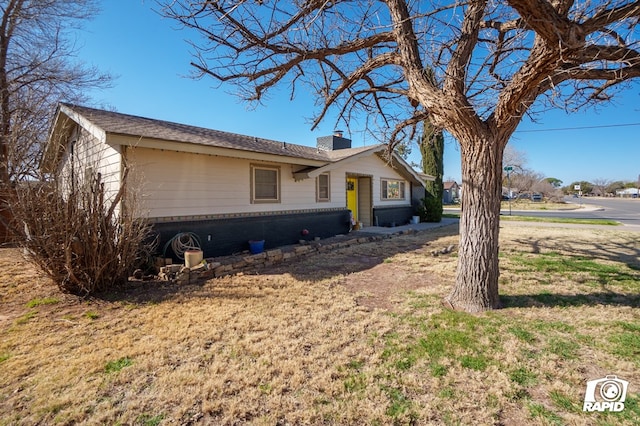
x=578, y=128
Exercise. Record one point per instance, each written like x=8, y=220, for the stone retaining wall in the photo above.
x=246, y=262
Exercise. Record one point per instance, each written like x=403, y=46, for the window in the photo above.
x=91, y=177
x=265, y=184
x=323, y=190
x=392, y=189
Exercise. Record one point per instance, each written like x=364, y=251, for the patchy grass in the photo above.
x=91, y=315
x=23, y=319
x=149, y=420
x=365, y=341
x=560, y=220
x=525, y=204
x=42, y=301
x=565, y=220
x=118, y=365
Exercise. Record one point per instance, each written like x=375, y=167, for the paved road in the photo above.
x=625, y=211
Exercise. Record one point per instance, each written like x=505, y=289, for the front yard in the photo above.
x=357, y=336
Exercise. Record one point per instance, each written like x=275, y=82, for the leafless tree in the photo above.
x=38, y=68
x=493, y=63
x=600, y=186
x=514, y=158
x=550, y=192
x=524, y=180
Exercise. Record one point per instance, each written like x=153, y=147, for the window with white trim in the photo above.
x=265, y=184
x=323, y=188
x=392, y=189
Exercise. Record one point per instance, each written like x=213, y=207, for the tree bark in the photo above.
x=476, y=287
x=11, y=14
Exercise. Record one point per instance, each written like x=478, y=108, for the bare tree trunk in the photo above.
x=476, y=287
x=9, y=15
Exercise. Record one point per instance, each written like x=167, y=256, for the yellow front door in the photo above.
x=352, y=196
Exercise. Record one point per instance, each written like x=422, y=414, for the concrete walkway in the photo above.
x=377, y=230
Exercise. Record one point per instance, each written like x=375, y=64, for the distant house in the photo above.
x=228, y=188
x=451, y=192
x=628, y=193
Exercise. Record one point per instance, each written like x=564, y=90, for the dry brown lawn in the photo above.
x=526, y=204
x=357, y=336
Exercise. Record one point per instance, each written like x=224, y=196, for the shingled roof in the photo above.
x=152, y=133
x=131, y=125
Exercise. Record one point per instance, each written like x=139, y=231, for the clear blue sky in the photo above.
x=150, y=57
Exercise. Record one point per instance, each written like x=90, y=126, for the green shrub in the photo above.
x=430, y=210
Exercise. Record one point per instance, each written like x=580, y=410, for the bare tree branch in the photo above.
x=611, y=15
x=361, y=73
x=455, y=74
x=550, y=23
x=38, y=68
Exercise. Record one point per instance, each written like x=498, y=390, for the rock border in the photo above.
x=246, y=262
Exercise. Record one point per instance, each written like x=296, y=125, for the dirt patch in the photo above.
x=384, y=285
x=380, y=274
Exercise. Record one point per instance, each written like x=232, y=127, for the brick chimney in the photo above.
x=333, y=142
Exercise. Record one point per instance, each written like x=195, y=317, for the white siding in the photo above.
x=90, y=153
x=184, y=184
x=376, y=168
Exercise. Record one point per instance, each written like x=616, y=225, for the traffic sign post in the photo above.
x=508, y=169
x=577, y=188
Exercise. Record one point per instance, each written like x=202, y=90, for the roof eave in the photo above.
x=51, y=149
x=194, y=148
x=337, y=163
x=420, y=178
x=65, y=119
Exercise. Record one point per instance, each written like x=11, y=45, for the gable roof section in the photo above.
x=115, y=123
x=395, y=162
x=130, y=130
x=342, y=158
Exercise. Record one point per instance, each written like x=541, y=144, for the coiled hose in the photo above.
x=182, y=242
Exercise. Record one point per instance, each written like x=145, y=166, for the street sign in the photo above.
x=508, y=169
x=576, y=187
